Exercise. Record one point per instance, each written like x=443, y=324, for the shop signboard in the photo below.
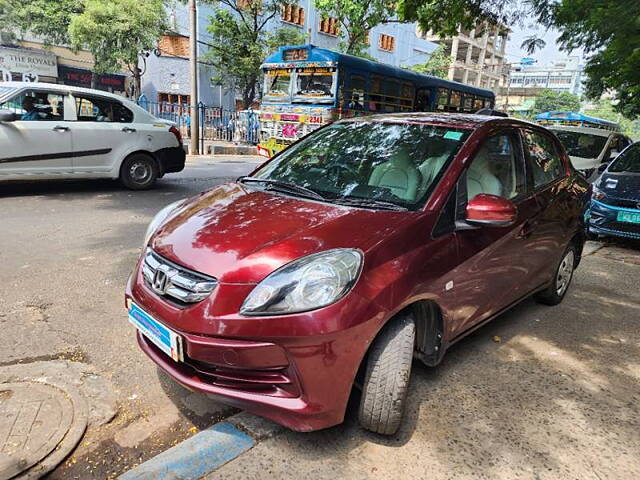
x=38, y=63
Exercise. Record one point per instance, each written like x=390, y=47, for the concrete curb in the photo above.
x=206, y=451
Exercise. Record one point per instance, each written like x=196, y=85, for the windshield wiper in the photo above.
x=369, y=202
x=283, y=186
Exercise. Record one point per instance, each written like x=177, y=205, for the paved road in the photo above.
x=66, y=250
x=557, y=396
x=540, y=393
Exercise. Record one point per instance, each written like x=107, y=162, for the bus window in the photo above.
x=314, y=84
x=407, y=96
x=392, y=95
x=478, y=103
x=357, y=87
x=423, y=100
x=277, y=85
x=456, y=100
x=443, y=98
x=375, y=96
x=467, y=103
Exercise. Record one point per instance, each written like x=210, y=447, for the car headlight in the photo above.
x=159, y=219
x=598, y=194
x=305, y=284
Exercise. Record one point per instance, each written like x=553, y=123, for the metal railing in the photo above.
x=216, y=124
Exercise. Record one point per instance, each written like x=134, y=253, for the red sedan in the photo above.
x=369, y=243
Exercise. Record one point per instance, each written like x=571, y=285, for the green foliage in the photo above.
x=437, y=65
x=48, y=19
x=116, y=32
x=356, y=18
x=604, y=109
x=241, y=42
x=549, y=100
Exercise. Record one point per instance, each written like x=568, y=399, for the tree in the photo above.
x=604, y=109
x=47, y=19
x=117, y=32
x=241, y=41
x=356, y=18
x=607, y=30
x=548, y=100
x=437, y=65
x=533, y=43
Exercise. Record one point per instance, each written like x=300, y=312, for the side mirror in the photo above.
x=491, y=210
x=7, y=116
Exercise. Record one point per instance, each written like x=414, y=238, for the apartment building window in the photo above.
x=329, y=26
x=174, y=45
x=293, y=14
x=387, y=42
x=174, y=103
x=248, y=4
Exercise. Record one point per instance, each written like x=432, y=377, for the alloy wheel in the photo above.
x=565, y=271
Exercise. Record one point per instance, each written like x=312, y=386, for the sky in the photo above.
x=545, y=56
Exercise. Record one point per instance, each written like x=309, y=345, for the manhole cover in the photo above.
x=34, y=420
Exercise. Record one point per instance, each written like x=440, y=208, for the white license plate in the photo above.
x=165, y=339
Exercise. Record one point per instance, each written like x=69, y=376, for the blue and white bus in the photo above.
x=306, y=87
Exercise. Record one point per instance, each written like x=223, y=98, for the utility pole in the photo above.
x=193, y=67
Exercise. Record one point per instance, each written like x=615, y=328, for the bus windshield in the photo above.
x=277, y=85
x=314, y=86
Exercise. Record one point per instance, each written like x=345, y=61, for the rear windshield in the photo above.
x=391, y=162
x=628, y=161
x=582, y=145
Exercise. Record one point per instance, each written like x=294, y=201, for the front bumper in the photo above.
x=301, y=380
x=603, y=220
x=171, y=159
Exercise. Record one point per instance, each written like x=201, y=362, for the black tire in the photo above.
x=386, y=382
x=138, y=172
x=555, y=292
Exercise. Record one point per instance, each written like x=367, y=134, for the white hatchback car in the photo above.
x=52, y=131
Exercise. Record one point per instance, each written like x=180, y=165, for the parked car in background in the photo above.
x=615, y=205
x=367, y=243
x=50, y=131
x=590, y=142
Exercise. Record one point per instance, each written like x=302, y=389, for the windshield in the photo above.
x=277, y=85
x=628, y=161
x=582, y=145
x=385, y=162
x=314, y=86
x=5, y=91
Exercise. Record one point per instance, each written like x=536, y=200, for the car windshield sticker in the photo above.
x=451, y=135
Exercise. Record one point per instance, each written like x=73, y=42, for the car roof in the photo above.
x=460, y=120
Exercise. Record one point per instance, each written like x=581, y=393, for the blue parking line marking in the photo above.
x=195, y=457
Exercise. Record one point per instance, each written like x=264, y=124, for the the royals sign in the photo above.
x=25, y=61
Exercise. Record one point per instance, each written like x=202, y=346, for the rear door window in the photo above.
x=544, y=159
x=94, y=109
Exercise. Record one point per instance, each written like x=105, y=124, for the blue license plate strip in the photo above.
x=165, y=339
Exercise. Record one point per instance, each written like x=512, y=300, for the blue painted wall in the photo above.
x=171, y=75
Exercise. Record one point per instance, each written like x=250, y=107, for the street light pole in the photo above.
x=193, y=67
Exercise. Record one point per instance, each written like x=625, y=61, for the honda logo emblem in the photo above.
x=160, y=281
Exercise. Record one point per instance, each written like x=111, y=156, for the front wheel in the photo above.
x=138, y=172
x=387, y=377
x=554, y=294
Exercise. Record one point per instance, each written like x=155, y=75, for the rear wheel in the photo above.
x=138, y=172
x=554, y=294
x=387, y=377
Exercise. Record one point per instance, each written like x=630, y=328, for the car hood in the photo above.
x=240, y=235
x=620, y=185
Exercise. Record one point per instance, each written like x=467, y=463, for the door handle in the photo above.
x=129, y=130
x=61, y=128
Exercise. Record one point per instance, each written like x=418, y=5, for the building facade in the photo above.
x=478, y=55
x=526, y=82
x=28, y=59
x=166, y=77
